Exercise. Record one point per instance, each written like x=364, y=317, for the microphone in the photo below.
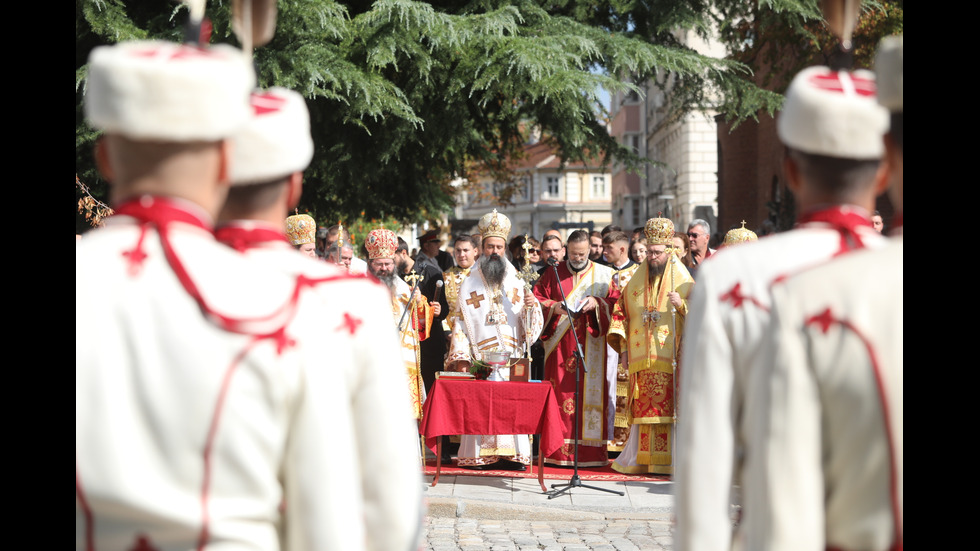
x=435, y=296
x=552, y=261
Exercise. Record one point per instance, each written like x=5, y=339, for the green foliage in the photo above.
x=778, y=38
x=404, y=96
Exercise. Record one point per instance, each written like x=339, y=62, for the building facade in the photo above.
x=683, y=185
x=543, y=195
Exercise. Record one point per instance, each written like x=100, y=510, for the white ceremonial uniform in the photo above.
x=188, y=435
x=474, y=333
x=381, y=413
x=358, y=266
x=727, y=321
x=827, y=436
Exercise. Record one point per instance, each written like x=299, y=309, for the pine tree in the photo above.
x=405, y=95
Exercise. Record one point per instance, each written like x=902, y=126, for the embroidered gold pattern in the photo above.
x=569, y=406
x=570, y=364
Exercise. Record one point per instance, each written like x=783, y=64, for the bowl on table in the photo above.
x=499, y=362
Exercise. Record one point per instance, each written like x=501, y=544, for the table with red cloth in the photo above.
x=488, y=407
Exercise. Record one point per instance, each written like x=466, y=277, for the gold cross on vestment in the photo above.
x=474, y=299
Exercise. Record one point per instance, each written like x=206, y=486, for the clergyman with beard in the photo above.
x=587, y=288
x=416, y=323
x=494, y=312
x=647, y=327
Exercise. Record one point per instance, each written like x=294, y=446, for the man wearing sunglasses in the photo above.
x=699, y=231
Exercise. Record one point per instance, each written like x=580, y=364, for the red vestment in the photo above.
x=595, y=415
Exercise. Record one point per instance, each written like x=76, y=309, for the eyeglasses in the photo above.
x=694, y=235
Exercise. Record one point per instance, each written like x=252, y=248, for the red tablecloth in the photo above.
x=487, y=407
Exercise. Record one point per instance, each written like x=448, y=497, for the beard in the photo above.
x=401, y=266
x=388, y=278
x=493, y=269
x=578, y=265
x=656, y=266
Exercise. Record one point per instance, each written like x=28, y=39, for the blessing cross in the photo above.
x=526, y=246
x=651, y=316
x=412, y=278
x=527, y=274
x=475, y=299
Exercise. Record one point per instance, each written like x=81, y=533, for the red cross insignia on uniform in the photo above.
x=282, y=340
x=737, y=298
x=350, y=323
x=136, y=256
x=824, y=319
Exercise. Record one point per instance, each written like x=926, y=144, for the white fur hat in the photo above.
x=833, y=113
x=889, y=66
x=276, y=141
x=156, y=90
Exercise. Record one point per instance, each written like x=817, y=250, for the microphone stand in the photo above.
x=575, y=482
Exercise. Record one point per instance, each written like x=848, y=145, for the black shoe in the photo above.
x=508, y=465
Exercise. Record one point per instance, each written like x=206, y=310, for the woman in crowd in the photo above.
x=638, y=250
x=682, y=244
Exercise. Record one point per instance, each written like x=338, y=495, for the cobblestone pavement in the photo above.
x=493, y=514
x=470, y=534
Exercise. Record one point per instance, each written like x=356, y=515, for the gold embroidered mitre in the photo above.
x=495, y=224
x=301, y=229
x=381, y=243
x=659, y=231
x=740, y=235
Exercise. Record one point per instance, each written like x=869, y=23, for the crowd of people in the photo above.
x=232, y=392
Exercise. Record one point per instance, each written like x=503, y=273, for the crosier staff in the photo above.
x=672, y=251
